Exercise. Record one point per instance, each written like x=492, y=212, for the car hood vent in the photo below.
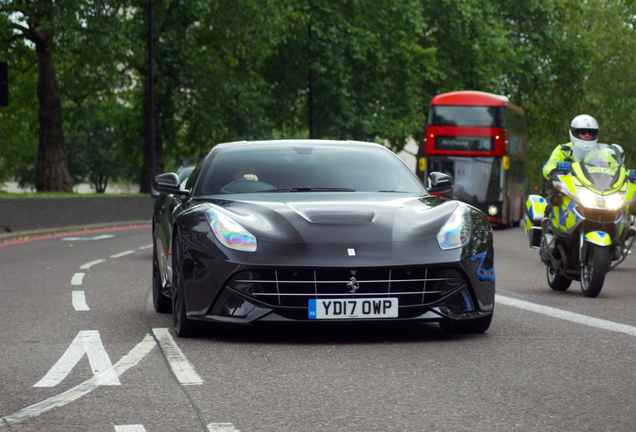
x=334, y=213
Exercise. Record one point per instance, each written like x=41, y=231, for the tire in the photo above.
x=473, y=326
x=161, y=303
x=594, y=269
x=557, y=281
x=183, y=327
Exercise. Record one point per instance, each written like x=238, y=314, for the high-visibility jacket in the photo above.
x=558, y=155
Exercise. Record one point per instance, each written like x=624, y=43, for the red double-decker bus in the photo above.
x=480, y=140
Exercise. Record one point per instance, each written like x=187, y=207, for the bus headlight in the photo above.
x=456, y=231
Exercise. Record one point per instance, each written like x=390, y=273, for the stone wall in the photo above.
x=46, y=213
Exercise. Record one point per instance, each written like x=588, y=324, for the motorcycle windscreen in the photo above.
x=475, y=179
x=599, y=164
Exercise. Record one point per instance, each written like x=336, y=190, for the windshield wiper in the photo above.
x=393, y=191
x=315, y=189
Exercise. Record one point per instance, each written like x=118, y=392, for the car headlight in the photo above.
x=230, y=233
x=608, y=202
x=456, y=231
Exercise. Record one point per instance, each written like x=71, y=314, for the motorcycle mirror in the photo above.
x=620, y=153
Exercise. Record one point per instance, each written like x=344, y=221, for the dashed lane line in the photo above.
x=222, y=427
x=130, y=428
x=79, y=301
x=121, y=254
x=91, y=264
x=77, y=278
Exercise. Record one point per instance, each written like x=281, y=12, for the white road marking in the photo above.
x=129, y=360
x=101, y=237
x=130, y=428
x=179, y=364
x=79, y=301
x=119, y=255
x=77, y=278
x=145, y=247
x=91, y=264
x=86, y=342
x=222, y=427
x=567, y=316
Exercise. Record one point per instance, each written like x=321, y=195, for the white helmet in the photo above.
x=583, y=123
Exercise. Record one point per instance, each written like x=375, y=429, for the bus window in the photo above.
x=464, y=116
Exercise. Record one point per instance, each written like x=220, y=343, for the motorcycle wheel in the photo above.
x=593, y=270
x=556, y=280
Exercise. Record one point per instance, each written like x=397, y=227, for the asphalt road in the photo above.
x=82, y=350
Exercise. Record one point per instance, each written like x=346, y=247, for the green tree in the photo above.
x=19, y=122
x=61, y=34
x=350, y=70
x=92, y=139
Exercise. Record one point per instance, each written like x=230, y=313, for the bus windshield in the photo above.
x=467, y=116
x=476, y=180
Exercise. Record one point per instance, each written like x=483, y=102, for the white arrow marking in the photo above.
x=129, y=360
x=77, y=278
x=79, y=301
x=179, y=364
x=92, y=263
x=222, y=427
x=101, y=237
x=119, y=255
x=89, y=342
x=130, y=428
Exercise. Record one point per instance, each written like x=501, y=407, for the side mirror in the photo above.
x=620, y=153
x=168, y=183
x=439, y=183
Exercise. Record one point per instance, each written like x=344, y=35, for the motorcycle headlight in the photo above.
x=229, y=233
x=608, y=202
x=614, y=201
x=588, y=198
x=456, y=231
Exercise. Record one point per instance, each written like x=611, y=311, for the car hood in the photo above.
x=319, y=217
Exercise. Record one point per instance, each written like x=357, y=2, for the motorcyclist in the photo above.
x=584, y=130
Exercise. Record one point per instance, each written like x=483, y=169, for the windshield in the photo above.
x=599, y=164
x=306, y=168
x=475, y=180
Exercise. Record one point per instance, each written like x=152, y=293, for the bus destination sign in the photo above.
x=459, y=143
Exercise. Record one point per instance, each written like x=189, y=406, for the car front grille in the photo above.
x=293, y=288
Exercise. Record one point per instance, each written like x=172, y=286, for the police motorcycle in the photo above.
x=588, y=229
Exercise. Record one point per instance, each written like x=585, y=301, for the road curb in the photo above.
x=5, y=237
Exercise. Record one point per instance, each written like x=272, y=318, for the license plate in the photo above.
x=353, y=308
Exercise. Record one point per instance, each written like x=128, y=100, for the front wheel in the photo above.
x=593, y=270
x=556, y=280
x=160, y=302
x=183, y=327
